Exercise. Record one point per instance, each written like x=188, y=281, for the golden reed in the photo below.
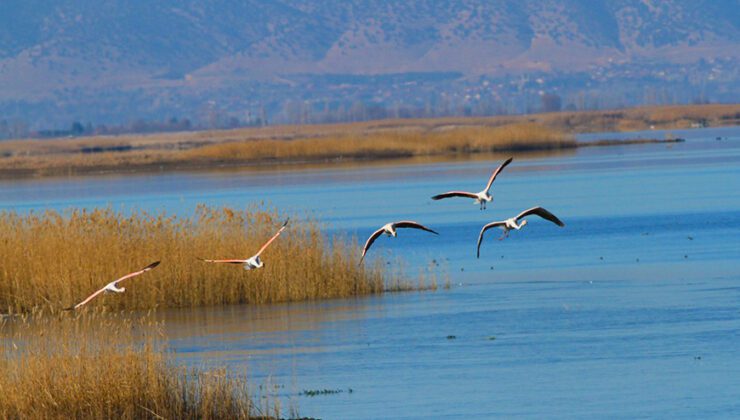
x=51, y=261
x=389, y=144
x=49, y=157
x=370, y=140
x=104, y=366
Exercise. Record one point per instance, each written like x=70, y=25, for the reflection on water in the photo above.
x=632, y=310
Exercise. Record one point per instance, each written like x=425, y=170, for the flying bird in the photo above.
x=254, y=261
x=481, y=197
x=514, y=223
x=390, y=230
x=113, y=286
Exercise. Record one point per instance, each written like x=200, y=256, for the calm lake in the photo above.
x=631, y=310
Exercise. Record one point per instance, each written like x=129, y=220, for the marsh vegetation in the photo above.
x=51, y=260
x=111, y=366
x=390, y=144
x=326, y=144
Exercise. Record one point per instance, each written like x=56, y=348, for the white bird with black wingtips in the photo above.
x=254, y=261
x=515, y=224
x=390, y=230
x=481, y=197
x=112, y=287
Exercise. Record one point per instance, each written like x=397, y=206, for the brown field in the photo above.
x=50, y=261
x=106, y=366
x=373, y=140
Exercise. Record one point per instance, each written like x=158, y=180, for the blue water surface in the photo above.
x=631, y=310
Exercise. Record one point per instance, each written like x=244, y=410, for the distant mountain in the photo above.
x=184, y=53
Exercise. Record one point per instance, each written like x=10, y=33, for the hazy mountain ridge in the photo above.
x=48, y=48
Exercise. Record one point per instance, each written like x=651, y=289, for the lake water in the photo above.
x=631, y=310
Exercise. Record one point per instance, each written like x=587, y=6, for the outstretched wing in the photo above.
x=542, y=212
x=482, y=231
x=224, y=261
x=282, y=228
x=88, y=299
x=455, y=194
x=496, y=172
x=370, y=241
x=413, y=225
x=136, y=273
x=127, y=276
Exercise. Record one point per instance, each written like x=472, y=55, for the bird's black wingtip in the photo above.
x=152, y=265
x=286, y=222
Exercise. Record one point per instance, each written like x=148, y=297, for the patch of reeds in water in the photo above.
x=110, y=367
x=388, y=144
x=51, y=261
x=272, y=146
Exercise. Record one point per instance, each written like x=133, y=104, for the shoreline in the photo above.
x=270, y=164
x=628, y=142
x=280, y=147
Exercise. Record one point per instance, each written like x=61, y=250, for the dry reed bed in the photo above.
x=51, y=261
x=109, y=367
x=330, y=142
x=389, y=144
x=56, y=157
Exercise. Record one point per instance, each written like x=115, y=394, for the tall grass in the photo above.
x=109, y=367
x=50, y=260
x=522, y=136
x=304, y=145
x=333, y=142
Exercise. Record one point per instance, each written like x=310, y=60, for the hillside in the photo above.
x=177, y=57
